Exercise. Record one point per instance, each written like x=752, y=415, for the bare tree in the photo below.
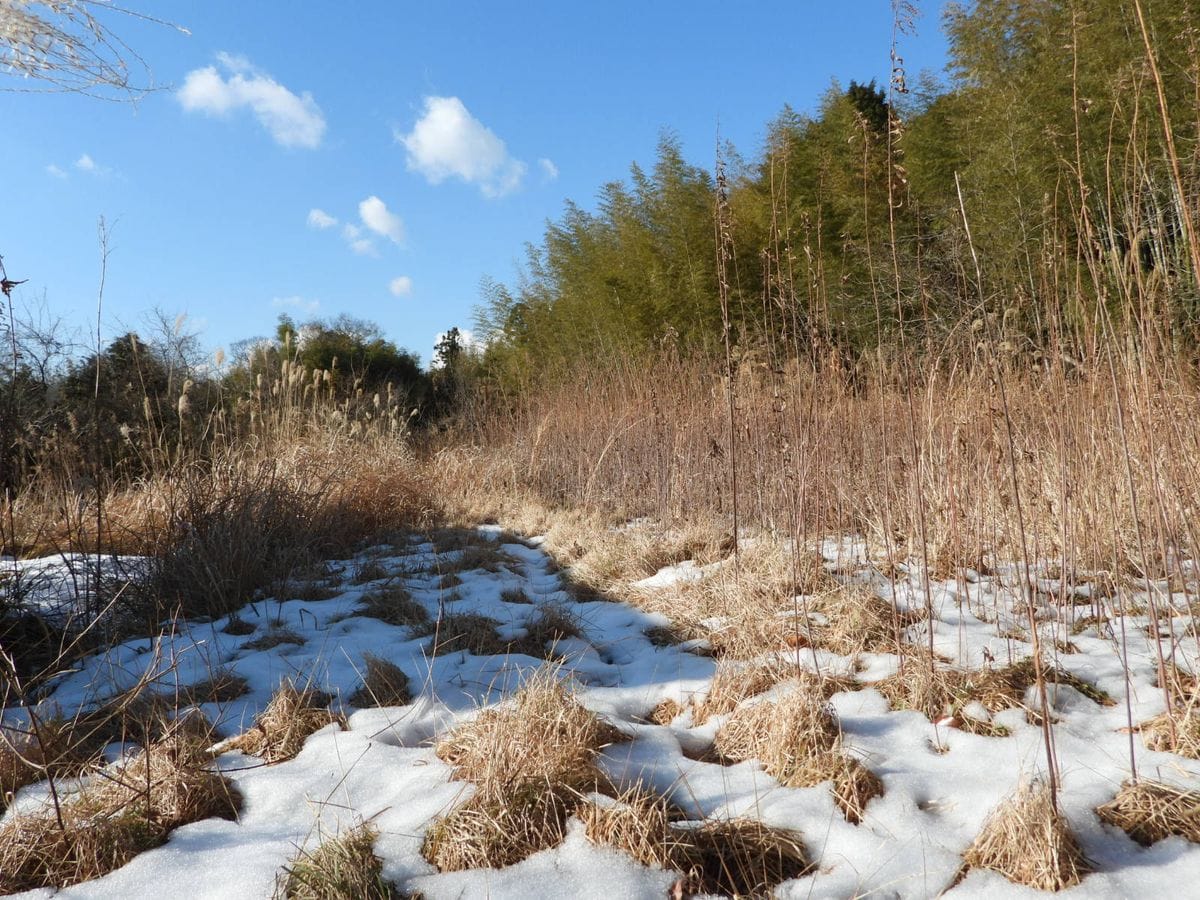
x=67, y=45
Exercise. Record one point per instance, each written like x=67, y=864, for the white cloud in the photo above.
x=401, y=286
x=301, y=303
x=447, y=141
x=54, y=170
x=466, y=340
x=549, y=169
x=85, y=164
x=293, y=121
x=363, y=246
x=319, y=219
x=376, y=216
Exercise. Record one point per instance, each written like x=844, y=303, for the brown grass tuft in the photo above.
x=514, y=595
x=384, y=684
x=666, y=712
x=931, y=689
x=222, y=686
x=941, y=690
x=486, y=557
x=342, y=868
x=238, y=626
x=120, y=813
x=468, y=632
x=739, y=857
x=546, y=628
x=1028, y=842
x=1149, y=811
x=275, y=636
x=394, y=605
x=734, y=682
x=369, y=570
x=744, y=858
x=1176, y=731
x=856, y=619
x=280, y=730
x=544, y=737
x=638, y=823
x=29, y=755
x=497, y=828
x=798, y=741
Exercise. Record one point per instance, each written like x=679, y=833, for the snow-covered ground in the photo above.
x=940, y=783
x=62, y=589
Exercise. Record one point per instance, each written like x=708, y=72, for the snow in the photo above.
x=61, y=588
x=940, y=782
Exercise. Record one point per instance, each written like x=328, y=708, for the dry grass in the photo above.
x=394, y=605
x=497, y=828
x=531, y=761
x=449, y=581
x=342, y=868
x=781, y=732
x=856, y=619
x=1149, y=811
x=120, y=813
x=939, y=690
x=486, y=556
x=384, y=684
x=468, y=633
x=275, y=636
x=222, y=686
x=927, y=687
x=542, y=736
x=744, y=858
x=735, y=681
x=1005, y=687
x=666, y=712
x=145, y=714
x=515, y=595
x=1028, y=842
x=313, y=590
x=370, y=570
x=238, y=627
x=1178, y=729
x=738, y=857
x=798, y=741
x=280, y=730
x=29, y=755
x=640, y=824
x=549, y=626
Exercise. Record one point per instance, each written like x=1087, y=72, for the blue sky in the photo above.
x=381, y=158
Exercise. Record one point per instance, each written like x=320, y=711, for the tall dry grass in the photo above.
x=826, y=451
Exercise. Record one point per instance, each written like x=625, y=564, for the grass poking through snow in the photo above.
x=1027, y=841
x=341, y=868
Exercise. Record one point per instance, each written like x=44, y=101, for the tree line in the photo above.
x=143, y=401
x=1043, y=194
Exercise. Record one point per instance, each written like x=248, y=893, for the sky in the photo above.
x=380, y=159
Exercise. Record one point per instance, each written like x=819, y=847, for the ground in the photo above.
x=941, y=775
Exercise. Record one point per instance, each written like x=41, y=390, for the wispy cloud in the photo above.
x=54, y=170
x=549, y=170
x=86, y=165
x=448, y=142
x=321, y=220
x=295, y=302
x=377, y=217
x=400, y=286
x=360, y=244
x=375, y=220
x=292, y=120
